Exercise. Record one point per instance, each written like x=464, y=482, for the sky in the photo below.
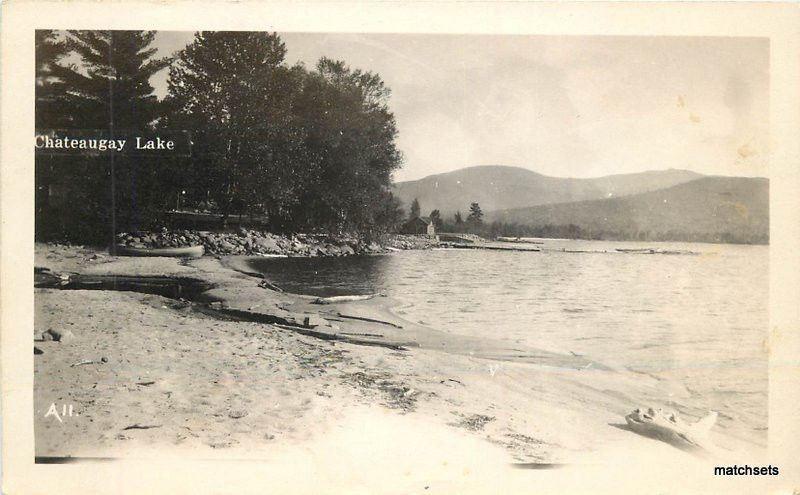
x=565, y=106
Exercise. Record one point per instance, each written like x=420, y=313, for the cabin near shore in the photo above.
x=419, y=225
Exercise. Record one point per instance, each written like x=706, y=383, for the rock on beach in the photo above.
x=255, y=242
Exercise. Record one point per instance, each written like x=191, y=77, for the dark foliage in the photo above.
x=475, y=218
x=414, y=210
x=107, y=91
x=436, y=218
x=310, y=150
x=307, y=150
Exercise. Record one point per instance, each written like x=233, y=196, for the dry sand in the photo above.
x=164, y=377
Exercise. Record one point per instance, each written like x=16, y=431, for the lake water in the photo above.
x=697, y=320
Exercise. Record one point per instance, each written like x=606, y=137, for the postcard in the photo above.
x=399, y=247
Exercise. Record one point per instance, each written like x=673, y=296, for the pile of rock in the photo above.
x=411, y=242
x=252, y=242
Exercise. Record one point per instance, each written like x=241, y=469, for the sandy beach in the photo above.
x=146, y=373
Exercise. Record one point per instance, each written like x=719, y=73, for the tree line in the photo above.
x=303, y=149
x=475, y=224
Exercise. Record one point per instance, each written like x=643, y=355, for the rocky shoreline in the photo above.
x=259, y=243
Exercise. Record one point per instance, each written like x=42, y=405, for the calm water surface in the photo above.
x=698, y=320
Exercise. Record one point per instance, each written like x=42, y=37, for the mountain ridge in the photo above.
x=708, y=209
x=501, y=187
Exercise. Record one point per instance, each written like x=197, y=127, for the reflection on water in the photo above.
x=700, y=321
x=327, y=276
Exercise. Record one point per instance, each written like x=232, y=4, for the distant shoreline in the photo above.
x=261, y=243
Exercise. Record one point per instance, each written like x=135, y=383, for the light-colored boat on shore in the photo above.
x=173, y=252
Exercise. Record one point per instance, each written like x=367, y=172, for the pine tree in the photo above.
x=50, y=94
x=105, y=90
x=415, y=210
x=436, y=219
x=475, y=217
x=49, y=113
x=110, y=87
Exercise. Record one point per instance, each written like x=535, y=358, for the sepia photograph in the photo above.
x=418, y=252
x=550, y=243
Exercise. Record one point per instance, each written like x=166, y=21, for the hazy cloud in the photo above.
x=561, y=105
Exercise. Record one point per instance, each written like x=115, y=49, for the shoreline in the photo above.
x=542, y=408
x=378, y=311
x=249, y=242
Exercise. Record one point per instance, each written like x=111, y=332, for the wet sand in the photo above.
x=210, y=378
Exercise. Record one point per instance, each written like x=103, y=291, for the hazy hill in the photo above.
x=716, y=209
x=501, y=188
